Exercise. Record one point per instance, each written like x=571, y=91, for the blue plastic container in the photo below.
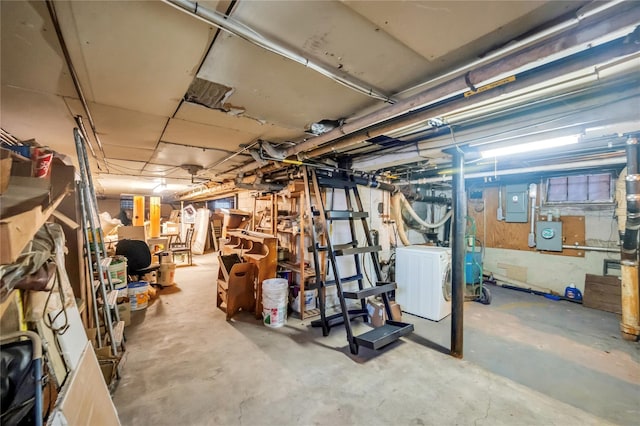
x=472, y=265
x=571, y=292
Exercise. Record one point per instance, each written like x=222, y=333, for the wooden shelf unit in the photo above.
x=257, y=248
x=293, y=238
x=25, y=211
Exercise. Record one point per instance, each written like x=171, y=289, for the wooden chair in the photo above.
x=236, y=285
x=183, y=247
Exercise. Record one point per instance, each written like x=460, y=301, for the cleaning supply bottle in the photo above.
x=571, y=292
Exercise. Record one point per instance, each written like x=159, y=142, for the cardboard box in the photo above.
x=377, y=314
x=5, y=169
x=108, y=364
x=396, y=311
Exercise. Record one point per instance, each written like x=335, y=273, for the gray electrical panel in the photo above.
x=549, y=235
x=516, y=203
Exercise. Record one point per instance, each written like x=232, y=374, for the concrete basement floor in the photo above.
x=528, y=360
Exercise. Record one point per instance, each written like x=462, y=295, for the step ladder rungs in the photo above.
x=96, y=284
x=118, y=333
x=370, y=291
x=112, y=298
x=356, y=250
x=335, y=246
x=382, y=336
x=345, y=215
x=325, y=251
x=344, y=280
x=338, y=318
x=105, y=262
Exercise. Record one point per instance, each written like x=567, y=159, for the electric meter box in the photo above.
x=549, y=236
x=516, y=203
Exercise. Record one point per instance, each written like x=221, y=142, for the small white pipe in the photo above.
x=592, y=248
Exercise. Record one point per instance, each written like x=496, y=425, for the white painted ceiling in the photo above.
x=136, y=60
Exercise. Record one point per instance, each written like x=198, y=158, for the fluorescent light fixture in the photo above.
x=531, y=146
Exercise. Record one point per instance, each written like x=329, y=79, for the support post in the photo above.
x=630, y=324
x=458, y=253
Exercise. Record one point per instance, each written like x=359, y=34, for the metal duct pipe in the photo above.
x=265, y=187
x=457, y=100
x=450, y=99
x=535, y=169
x=429, y=199
x=630, y=294
x=458, y=248
x=407, y=206
x=486, y=72
x=228, y=24
x=372, y=183
x=630, y=324
x=630, y=241
x=592, y=9
x=396, y=212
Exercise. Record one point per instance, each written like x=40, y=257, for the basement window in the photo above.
x=222, y=203
x=591, y=188
x=126, y=202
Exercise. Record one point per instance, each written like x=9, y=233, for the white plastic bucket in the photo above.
x=118, y=269
x=274, y=302
x=121, y=287
x=309, y=301
x=167, y=274
x=138, y=295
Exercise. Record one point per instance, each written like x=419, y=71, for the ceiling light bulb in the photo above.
x=531, y=146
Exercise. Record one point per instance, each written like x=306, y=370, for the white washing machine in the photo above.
x=423, y=275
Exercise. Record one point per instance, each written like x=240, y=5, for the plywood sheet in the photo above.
x=603, y=293
x=514, y=236
x=86, y=400
x=573, y=233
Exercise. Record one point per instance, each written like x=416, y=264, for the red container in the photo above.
x=42, y=158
